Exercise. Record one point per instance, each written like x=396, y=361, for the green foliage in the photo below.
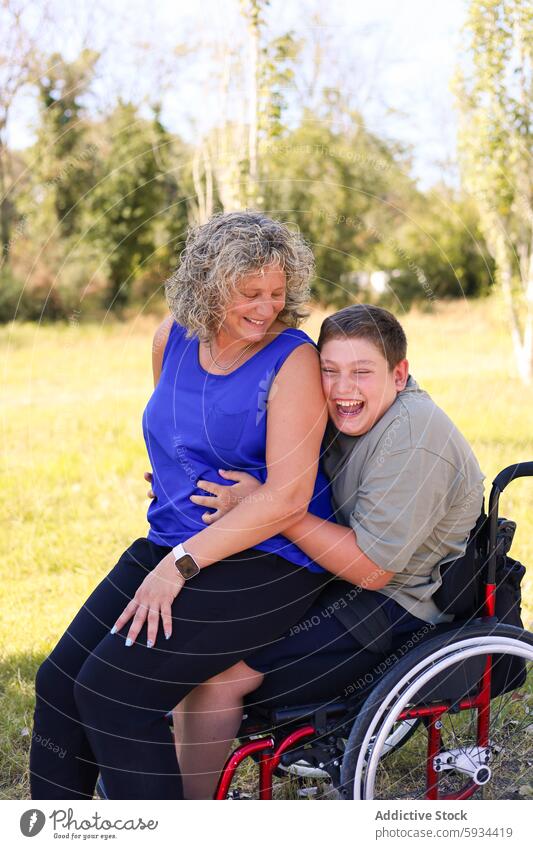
x=49, y=274
x=103, y=205
x=276, y=77
x=14, y=301
x=494, y=90
x=128, y=197
x=437, y=251
x=344, y=190
x=494, y=93
x=63, y=157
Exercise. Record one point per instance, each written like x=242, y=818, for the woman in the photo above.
x=230, y=351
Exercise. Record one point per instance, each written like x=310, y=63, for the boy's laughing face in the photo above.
x=358, y=384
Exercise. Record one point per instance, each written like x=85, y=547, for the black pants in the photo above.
x=319, y=659
x=101, y=706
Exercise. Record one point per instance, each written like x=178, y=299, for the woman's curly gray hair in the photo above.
x=221, y=252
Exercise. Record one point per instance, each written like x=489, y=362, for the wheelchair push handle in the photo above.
x=510, y=473
x=502, y=479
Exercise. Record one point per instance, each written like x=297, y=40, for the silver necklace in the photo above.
x=241, y=355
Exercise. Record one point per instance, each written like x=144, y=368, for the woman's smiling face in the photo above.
x=256, y=305
x=358, y=384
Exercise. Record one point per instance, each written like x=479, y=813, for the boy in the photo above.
x=406, y=490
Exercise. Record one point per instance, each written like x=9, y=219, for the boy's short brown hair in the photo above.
x=365, y=321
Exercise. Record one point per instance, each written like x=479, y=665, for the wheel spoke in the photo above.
x=400, y=771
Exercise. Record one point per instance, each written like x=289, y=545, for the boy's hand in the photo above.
x=148, y=476
x=224, y=498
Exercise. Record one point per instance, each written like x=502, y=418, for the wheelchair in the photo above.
x=449, y=715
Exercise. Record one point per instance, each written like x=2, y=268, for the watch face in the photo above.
x=187, y=567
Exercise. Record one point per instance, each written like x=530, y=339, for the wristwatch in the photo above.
x=185, y=563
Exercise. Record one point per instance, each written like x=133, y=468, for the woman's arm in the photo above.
x=329, y=544
x=158, y=346
x=159, y=343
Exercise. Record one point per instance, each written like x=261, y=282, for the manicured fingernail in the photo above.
x=114, y=629
x=129, y=642
x=167, y=636
x=149, y=643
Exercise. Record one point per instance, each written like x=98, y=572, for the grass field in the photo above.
x=72, y=488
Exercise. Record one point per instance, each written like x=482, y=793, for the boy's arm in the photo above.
x=399, y=503
x=335, y=548
x=329, y=544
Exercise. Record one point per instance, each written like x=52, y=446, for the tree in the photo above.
x=494, y=92
x=129, y=196
x=270, y=76
x=64, y=159
x=19, y=59
x=229, y=163
x=436, y=251
x=345, y=190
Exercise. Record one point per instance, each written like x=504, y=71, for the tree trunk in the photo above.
x=522, y=340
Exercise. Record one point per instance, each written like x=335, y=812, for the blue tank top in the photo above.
x=196, y=423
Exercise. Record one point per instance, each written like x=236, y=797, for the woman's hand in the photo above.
x=148, y=476
x=153, y=599
x=224, y=498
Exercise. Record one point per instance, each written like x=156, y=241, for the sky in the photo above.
x=395, y=59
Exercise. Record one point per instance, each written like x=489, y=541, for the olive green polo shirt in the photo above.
x=411, y=489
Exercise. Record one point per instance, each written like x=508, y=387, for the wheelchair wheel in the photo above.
x=466, y=741
x=400, y=733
